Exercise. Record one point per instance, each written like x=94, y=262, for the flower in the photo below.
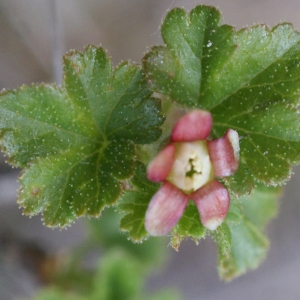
x=188, y=167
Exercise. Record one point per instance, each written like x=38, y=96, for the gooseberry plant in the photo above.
x=85, y=145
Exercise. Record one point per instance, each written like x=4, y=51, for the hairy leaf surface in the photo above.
x=76, y=143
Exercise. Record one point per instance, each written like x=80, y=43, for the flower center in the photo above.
x=192, y=167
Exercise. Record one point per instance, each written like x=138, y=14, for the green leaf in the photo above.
x=77, y=142
x=135, y=203
x=248, y=248
x=243, y=245
x=248, y=79
x=189, y=226
x=190, y=54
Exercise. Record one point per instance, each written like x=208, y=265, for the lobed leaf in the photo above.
x=76, y=143
x=248, y=79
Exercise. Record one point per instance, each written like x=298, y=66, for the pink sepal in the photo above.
x=224, y=153
x=160, y=167
x=212, y=201
x=165, y=209
x=193, y=126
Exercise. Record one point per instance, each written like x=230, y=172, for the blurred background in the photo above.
x=34, y=34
